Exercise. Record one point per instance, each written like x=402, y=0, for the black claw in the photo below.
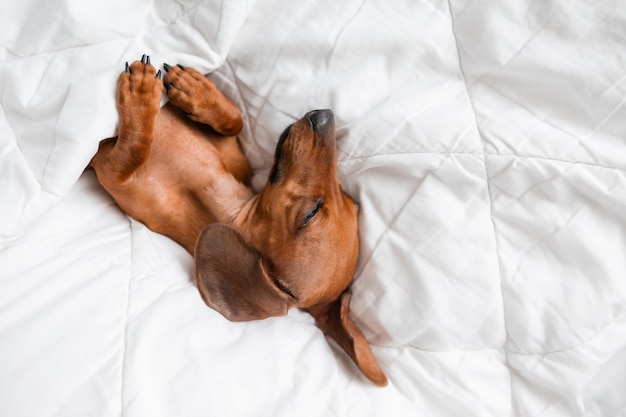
x=166, y=67
x=158, y=74
x=143, y=59
x=127, y=69
x=167, y=86
x=181, y=67
x=148, y=59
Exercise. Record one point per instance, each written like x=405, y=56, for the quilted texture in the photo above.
x=484, y=140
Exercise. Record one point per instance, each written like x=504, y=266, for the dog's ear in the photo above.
x=231, y=277
x=334, y=320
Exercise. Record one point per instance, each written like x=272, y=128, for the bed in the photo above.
x=484, y=140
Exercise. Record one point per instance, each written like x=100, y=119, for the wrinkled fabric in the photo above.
x=59, y=62
x=484, y=141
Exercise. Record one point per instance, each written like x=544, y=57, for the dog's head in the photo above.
x=298, y=245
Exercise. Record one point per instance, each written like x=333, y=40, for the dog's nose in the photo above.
x=319, y=119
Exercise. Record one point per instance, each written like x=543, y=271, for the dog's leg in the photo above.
x=203, y=102
x=139, y=92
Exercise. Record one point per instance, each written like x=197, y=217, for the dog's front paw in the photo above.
x=139, y=89
x=190, y=91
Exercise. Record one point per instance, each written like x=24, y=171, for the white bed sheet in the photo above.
x=484, y=140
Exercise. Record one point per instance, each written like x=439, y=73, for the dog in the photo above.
x=181, y=171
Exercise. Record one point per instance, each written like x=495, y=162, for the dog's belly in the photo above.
x=183, y=141
x=163, y=206
x=186, y=181
x=162, y=193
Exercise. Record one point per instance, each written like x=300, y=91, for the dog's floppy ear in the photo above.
x=231, y=277
x=335, y=321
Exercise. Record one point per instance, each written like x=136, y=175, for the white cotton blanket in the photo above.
x=486, y=144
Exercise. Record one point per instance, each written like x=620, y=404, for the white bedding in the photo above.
x=485, y=141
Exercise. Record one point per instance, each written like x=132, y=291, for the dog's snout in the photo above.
x=320, y=119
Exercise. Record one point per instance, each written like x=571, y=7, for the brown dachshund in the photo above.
x=181, y=171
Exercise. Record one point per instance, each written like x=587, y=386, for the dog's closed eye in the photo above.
x=312, y=212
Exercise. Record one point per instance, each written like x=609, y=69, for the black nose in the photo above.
x=320, y=119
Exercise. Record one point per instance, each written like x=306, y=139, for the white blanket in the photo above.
x=485, y=141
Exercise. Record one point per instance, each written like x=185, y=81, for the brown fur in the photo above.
x=181, y=171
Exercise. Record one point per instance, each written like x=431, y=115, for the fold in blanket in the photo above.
x=58, y=65
x=484, y=141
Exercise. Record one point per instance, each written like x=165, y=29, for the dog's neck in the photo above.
x=225, y=198
x=244, y=220
x=226, y=201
